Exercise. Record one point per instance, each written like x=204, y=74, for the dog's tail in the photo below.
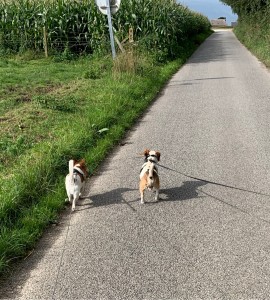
x=71, y=166
x=150, y=179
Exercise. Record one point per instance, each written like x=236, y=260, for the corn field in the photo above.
x=79, y=27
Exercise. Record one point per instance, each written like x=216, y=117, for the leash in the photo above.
x=216, y=183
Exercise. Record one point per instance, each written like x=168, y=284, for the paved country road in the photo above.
x=201, y=240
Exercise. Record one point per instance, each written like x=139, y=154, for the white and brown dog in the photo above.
x=149, y=173
x=75, y=180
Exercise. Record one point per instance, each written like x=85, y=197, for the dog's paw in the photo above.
x=142, y=202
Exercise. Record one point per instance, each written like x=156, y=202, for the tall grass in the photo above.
x=78, y=26
x=254, y=32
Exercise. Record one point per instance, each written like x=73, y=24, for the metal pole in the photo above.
x=110, y=28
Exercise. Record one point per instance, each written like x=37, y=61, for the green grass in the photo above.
x=254, y=33
x=52, y=111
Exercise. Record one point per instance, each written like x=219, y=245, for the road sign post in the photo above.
x=110, y=28
x=109, y=7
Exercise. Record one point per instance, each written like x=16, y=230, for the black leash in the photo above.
x=215, y=183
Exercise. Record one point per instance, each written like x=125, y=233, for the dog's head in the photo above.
x=151, y=155
x=82, y=165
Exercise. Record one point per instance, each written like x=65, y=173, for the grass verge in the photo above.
x=254, y=33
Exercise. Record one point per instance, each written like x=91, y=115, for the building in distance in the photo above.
x=220, y=22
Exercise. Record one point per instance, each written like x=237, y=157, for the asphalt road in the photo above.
x=201, y=240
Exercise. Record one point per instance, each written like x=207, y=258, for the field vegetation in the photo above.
x=78, y=102
x=78, y=27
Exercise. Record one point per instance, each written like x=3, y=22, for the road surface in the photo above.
x=201, y=240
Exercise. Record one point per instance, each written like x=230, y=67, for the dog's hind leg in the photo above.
x=73, y=204
x=75, y=198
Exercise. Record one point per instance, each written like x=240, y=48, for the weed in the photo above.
x=67, y=104
x=93, y=72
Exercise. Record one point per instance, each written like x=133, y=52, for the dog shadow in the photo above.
x=108, y=198
x=188, y=190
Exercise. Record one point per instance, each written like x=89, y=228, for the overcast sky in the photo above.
x=213, y=9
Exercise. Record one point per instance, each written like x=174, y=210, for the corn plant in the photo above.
x=160, y=25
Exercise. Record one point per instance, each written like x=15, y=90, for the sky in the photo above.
x=213, y=9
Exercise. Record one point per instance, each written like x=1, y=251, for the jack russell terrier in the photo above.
x=149, y=173
x=75, y=180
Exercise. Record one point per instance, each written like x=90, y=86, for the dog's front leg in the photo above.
x=157, y=195
x=70, y=198
x=82, y=189
x=142, y=195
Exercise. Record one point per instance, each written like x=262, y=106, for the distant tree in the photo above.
x=244, y=7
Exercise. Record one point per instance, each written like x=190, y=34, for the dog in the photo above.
x=75, y=180
x=149, y=178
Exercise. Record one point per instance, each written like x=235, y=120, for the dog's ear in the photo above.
x=146, y=152
x=158, y=155
x=82, y=162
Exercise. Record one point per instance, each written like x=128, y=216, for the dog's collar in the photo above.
x=78, y=170
x=155, y=167
x=149, y=158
